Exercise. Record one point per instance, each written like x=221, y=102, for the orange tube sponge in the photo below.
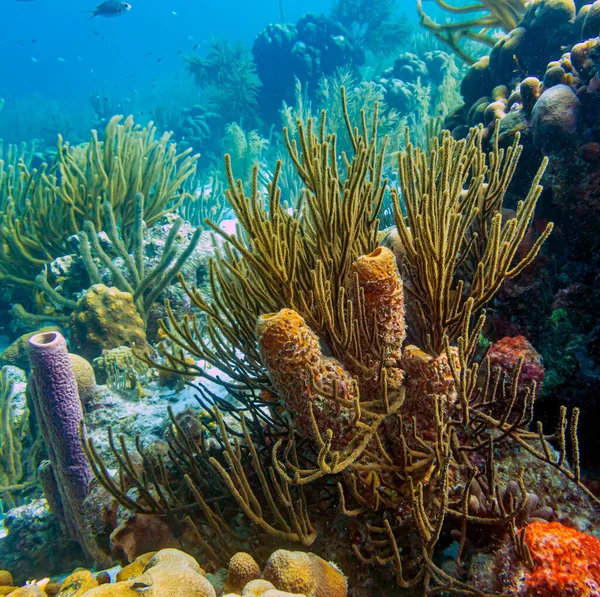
x=426, y=377
x=384, y=298
x=291, y=353
x=566, y=561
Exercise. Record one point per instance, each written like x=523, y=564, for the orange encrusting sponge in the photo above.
x=566, y=561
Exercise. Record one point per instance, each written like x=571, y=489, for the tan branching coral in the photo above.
x=457, y=249
x=487, y=16
x=14, y=429
x=41, y=208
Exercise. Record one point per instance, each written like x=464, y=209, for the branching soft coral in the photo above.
x=487, y=16
x=45, y=207
x=228, y=78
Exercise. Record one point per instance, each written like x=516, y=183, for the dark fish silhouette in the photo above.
x=110, y=8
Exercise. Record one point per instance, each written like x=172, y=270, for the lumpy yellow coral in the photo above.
x=256, y=588
x=304, y=573
x=6, y=579
x=85, y=377
x=330, y=582
x=291, y=571
x=135, y=568
x=168, y=573
x=242, y=569
x=79, y=583
x=106, y=318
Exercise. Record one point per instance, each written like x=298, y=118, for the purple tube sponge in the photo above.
x=60, y=415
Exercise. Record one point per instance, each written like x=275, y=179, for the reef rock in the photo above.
x=556, y=120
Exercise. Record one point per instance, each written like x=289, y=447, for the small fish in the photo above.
x=173, y=13
x=195, y=47
x=34, y=41
x=110, y=8
x=159, y=60
x=61, y=59
x=25, y=0
x=34, y=59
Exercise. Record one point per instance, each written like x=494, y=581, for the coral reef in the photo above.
x=350, y=363
x=173, y=573
x=410, y=74
x=122, y=304
x=14, y=430
x=49, y=204
x=337, y=425
x=229, y=83
x=33, y=530
x=376, y=26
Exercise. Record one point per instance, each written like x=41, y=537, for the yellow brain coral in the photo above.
x=6, y=579
x=85, y=377
x=255, y=588
x=77, y=584
x=173, y=558
x=291, y=571
x=304, y=573
x=168, y=573
x=106, y=318
x=136, y=567
x=242, y=569
x=330, y=582
x=278, y=593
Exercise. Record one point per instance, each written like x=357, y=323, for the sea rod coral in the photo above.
x=340, y=434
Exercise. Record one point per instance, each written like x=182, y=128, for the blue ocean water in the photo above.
x=54, y=48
